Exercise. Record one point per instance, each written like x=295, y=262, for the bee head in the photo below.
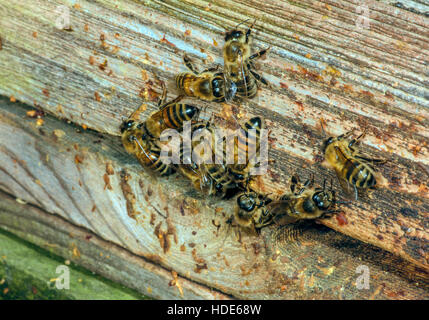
x=233, y=35
x=127, y=125
x=323, y=199
x=247, y=202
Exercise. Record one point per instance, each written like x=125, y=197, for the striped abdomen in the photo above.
x=246, y=85
x=220, y=175
x=248, y=141
x=174, y=115
x=151, y=158
x=171, y=116
x=248, y=88
x=358, y=174
x=185, y=81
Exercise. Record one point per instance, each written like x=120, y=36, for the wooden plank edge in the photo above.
x=102, y=257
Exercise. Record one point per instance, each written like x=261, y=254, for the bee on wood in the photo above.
x=353, y=170
x=208, y=85
x=239, y=63
x=134, y=140
x=304, y=203
x=171, y=115
x=210, y=178
x=253, y=211
x=247, y=143
x=142, y=138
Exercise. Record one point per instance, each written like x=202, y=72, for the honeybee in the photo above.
x=253, y=211
x=305, y=203
x=170, y=115
x=211, y=178
x=141, y=138
x=353, y=170
x=135, y=141
x=208, y=85
x=246, y=144
x=238, y=60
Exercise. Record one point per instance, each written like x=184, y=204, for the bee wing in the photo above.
x=345, y=185
x=230, y=90
x=348, y=189
x=230, y=87
x=243, y=74
x=278, y=210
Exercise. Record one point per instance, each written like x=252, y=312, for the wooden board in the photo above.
x=321, y=67
x=117, y=229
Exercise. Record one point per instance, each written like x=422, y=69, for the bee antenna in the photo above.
x=244, y=21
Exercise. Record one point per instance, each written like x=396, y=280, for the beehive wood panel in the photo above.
x=321, y=67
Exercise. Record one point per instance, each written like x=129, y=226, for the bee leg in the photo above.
x=259, y=77
x=259, y=54
x=174, y=101
x=356, y=193
x=356, y=141
x=189, y=65
x=309, y=182
x=293, y=183
x=212, y=69
x=371, y=160
x=249, y=31
x=161, y=101
x=345, y=135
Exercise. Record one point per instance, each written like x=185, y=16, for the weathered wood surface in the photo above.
x=320, y=65
x=84, y=248
x=73, y=212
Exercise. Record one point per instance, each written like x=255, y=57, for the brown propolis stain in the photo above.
x=200, y=262
x=128, y=194
x=163, y=236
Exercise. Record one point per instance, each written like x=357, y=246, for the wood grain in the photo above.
x=320, y=66
x=59, y=171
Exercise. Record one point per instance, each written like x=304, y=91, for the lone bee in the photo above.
x=142, y=138
x=238, y=60
x=353, y=170
x=208, y=85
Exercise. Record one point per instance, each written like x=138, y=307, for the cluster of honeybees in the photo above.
x=239, y=80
